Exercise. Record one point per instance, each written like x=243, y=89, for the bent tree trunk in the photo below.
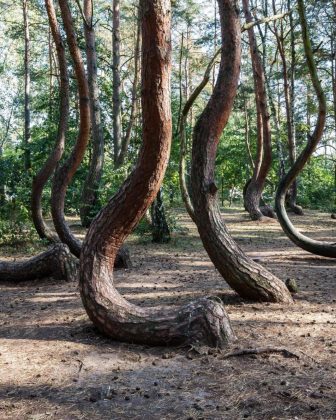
x=91, y=184
x=65, y=173
x=45, y=173
x=310, y=245
x=248, y=279
x=159, y=225
x=288, y=75
x=263, y=162
x=205, y=320
x=56, y=262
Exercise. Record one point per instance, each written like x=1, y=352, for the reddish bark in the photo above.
x=45, y=173
x=205, y=320
x=249, y=279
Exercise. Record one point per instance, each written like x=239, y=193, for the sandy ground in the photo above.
x=55, y=365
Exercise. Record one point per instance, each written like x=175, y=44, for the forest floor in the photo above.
x=55, y=365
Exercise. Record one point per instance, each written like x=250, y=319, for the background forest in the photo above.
x=29, y=93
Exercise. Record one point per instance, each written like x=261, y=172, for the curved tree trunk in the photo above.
x=289, y=97
x=263, y=162
x=56, y=262
x=181, y=133
x=204, y=321
x=92, y=182
x=249, y=279
x=64, y=174
x=45, y=173
x=310, y=245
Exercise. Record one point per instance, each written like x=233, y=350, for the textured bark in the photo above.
x=264, y=149
x=205, y=320
x=116, y=81
x=57, y=262
x=92, y=182
x=310, y=245
x=183, y=141
x=249, y=279
x=159, y=225
x=27, y=134
x=65, y=173
x=47, y=170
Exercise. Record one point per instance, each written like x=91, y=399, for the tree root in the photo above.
x=260, y=350
x=57, y=262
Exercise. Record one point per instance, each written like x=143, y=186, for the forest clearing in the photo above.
x=58, y=366
x=167, y=209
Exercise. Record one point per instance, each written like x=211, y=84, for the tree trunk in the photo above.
x=160, y=228
x=56, y=262
x=288, y=76
x=310, y=245
x=27, y=134
x=45, y=173
x=203, y=321
x=127, y=137
x=250, y=280
x=264, y=149
x=92, y=182
x=116, y=81
x=64, y=174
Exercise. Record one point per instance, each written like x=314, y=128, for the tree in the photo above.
x=250, y=280
x=92, y=181
x=27, y=131
x=42, y=177
x=310, y=245
x=263, y=161
x=204, y=320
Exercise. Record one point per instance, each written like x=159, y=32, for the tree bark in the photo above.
x=250, y=280
x=45, y=173
x=56, y=262
x=310, y=245
x=127, y=138
x=65, y=173
x=27, y=133
x=264, y=149
x=288, y=79
x=159, y=225
x=92, y=182
x=116, y=81
x=204, y=321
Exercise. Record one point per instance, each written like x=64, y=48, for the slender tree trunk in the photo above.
x=205, y=320
x=92, y=182
x=316, y=247
x=116, y=80
x=288, y=79
x=160, y=228
x=27, y=134
x=65, y=173
x=127, y=138
x=250, y=280
x=47, y=170
x=264, y=149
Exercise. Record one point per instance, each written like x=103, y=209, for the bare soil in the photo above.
x=55, y=365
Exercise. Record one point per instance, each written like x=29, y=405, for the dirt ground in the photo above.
x=55, y=365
